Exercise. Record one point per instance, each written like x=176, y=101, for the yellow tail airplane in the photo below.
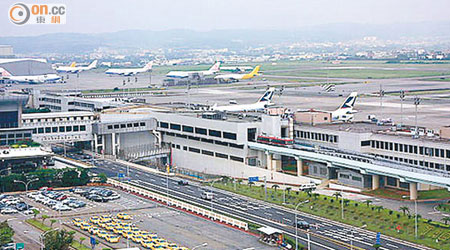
x=237, y=77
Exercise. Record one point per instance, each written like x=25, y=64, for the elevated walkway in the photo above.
x=403, y=173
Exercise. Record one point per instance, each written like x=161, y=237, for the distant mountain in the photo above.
x=80, y=42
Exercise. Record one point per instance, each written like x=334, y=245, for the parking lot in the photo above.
x=148, y=217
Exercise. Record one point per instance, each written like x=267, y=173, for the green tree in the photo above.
x=44, y=217
x=102, y=177
x=446, y=219
x=52, y=221
x=58, y=240
x=368, y=202
x=308, y=192
x=275, y=187
x=81, y=240
x=288, y=190
x=337, y=195
x=35, y=213
x=251, y=183
x=404, y=209
x=6, y=233
x=379, y=208
x=315, y=196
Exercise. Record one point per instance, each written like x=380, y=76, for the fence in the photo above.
x=180, y=204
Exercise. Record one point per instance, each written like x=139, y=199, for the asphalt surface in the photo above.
x=324, y=234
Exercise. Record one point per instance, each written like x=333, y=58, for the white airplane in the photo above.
x=237, y=77
x=345, y=111
x=130, y=71
x=184, y=74
x=236, y=68
x=35, y=79
x=76, y=69
x=261, y=104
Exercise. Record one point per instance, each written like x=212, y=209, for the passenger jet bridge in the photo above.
x=404, y=173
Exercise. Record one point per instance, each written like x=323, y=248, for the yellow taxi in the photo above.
x=94, y=219
x=118, y=230
x=135, y=230
x=111, y=238
x=105, y=219
x=77, y=221
x=102, y=234
x=94, y=230
x=147, y=243
x=127, y=234
x=109, y=226
x=85, y=226
x=137, y=238
x=124, y=216
x=152, y=236
x=181, y=248
x=158, y=247
x=172, y=245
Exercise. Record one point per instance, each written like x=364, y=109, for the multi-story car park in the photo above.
x=71, y=101
x=60, y=126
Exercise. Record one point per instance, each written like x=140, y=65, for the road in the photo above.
x=324, y=234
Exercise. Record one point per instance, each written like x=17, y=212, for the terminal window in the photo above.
x=83, y=128
x=175, y=126
x=164, y=125
x=76, y=128
x=200, y=131
x=231, y=136
x=55, y=130
x=215, y=133
x=188, y=129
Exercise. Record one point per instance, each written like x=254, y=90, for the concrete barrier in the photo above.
x=180, y=204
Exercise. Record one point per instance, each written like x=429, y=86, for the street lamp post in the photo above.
x=415, y=219
x=402, y=97
x=212, y=197
x=416, y=103
x=26, y=183
x=202, y=245
x=296, y=227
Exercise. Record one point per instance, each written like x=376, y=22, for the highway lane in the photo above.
x=333, y=233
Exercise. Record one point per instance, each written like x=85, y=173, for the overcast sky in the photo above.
x=93, y=16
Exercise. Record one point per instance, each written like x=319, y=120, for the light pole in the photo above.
x=416, y=103
x=212, y=197
x=402, y=97
x=41, y=237
x=415, y=219
x=296, y=227
x=26, y=183
x=202, y=245
x=381, y=101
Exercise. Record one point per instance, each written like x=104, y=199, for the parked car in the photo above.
x=8, y=210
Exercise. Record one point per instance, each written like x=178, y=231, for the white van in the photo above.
x=207, y=195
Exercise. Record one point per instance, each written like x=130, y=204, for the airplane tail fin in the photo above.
x=267, y=97
x=349, y=102
x=148, y=66
x=252, y=74
x=215, y=67
x=93, y=64
x=73, y=64
x=4, y=73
